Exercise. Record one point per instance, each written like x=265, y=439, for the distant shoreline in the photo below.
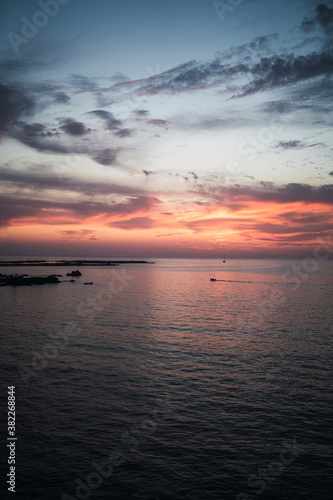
x=66, y=263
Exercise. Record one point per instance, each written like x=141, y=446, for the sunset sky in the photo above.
x=186, y=128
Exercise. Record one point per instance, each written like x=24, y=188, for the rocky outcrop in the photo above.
x=22, y=280
x=74, y=273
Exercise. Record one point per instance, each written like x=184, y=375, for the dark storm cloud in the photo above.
x=16, y=106
x=13, y=105
x=279, y=71
x=267, y=73
x=39, y=137
x=257, y=61
x=32, y=130
x=74, y=128
x=323, y=17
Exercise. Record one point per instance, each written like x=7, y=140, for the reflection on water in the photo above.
x=198, y=385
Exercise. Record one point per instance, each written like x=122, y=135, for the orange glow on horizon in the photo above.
x=256, y=226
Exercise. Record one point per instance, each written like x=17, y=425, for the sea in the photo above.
x=157, y=383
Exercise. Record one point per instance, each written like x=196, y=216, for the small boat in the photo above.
x=212, y=279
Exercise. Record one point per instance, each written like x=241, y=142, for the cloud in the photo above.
x=279, y=107
x=298, y=145
x=61, y=98
x=213, y=223
x=77, y=235
x=83, y=82
x=110, y=121
x=41, y=179
x=291, y=144
x=13, y=67
x=279, y=71
x=271, y=228
x=141, y=112
x=53, y=212
x=125, y=132
x=290, y=193
x=305, y=217
x=158, y=123
x=13, y=105
x=294, y=192
x=134, y=223
x=107, y=157
x=256, y=61
x=323, y=17
x=74, y=128
x=33, y=130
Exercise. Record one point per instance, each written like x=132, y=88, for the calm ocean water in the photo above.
x=157, y=383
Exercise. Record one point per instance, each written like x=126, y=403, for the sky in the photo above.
x=186, y=128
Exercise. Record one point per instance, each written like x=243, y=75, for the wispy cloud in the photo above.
x=80, y=234
x=134, y=223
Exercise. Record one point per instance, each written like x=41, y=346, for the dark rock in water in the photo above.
x=11, y=280
x=74, y=273
x=72, y=281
